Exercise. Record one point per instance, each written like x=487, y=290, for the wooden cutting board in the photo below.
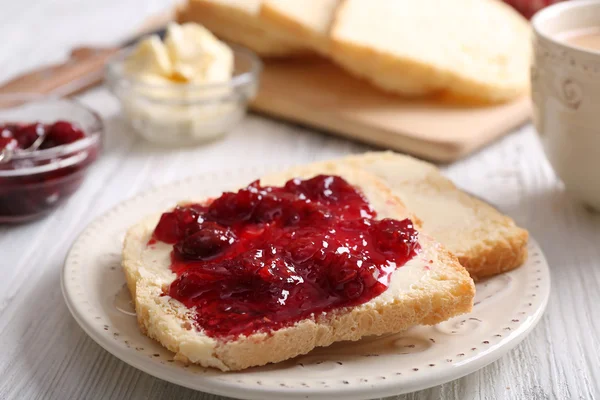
x=316, y=93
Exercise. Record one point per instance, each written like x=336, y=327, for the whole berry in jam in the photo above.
x=28, y=134
x=61, y=133
x=234, y=207
x=56, y=134
x=207, y=243
x=176, y=225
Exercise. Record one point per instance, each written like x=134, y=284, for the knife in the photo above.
x=83, y=70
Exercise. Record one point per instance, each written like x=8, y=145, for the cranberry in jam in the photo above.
x=32, y=183
x=266, y=257
x=56, y=134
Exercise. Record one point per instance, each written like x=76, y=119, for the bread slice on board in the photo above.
x=477, y=49
x=306, y=20
x=238, y=21
x=485, y=241
x=430, y=288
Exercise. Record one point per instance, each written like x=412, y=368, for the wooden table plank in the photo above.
x=45, y=355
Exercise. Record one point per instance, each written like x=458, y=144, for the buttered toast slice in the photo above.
x=485, y=241
x=430, y=288
x=239, y=21
x=473, y=48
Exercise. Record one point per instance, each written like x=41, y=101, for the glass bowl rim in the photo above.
x=93, y=135
x=114, y=74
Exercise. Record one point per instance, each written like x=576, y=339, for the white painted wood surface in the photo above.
x=45, y=355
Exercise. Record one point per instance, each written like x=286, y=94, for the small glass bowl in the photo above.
x=34, y=183
x=188, y=113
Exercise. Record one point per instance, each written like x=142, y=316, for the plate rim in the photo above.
x=214, y=386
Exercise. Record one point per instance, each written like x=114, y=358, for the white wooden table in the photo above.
x=45, y=355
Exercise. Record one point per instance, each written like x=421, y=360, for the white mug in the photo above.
x=565, y=84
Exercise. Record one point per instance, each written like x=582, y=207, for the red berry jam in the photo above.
x=32, y=184
x=56, y=134
x=266, y=257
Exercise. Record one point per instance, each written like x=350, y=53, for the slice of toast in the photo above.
x=485, y=241
x=476, y=49
x=306, y=20
x=428, y=289
x=238, y=21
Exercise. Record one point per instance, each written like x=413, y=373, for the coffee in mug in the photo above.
x=587, y=38
x=565, y=85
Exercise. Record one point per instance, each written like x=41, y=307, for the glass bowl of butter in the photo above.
x=187, y=89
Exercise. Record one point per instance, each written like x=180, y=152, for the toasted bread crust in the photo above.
x=441, y=290
x=428, y=309
x=498, y=244
x=497, y=257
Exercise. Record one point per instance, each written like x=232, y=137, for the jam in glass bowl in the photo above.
x=38, y=175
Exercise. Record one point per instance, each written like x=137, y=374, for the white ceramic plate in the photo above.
x=507, y=307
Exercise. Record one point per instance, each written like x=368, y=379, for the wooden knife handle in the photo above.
x=83, y=69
